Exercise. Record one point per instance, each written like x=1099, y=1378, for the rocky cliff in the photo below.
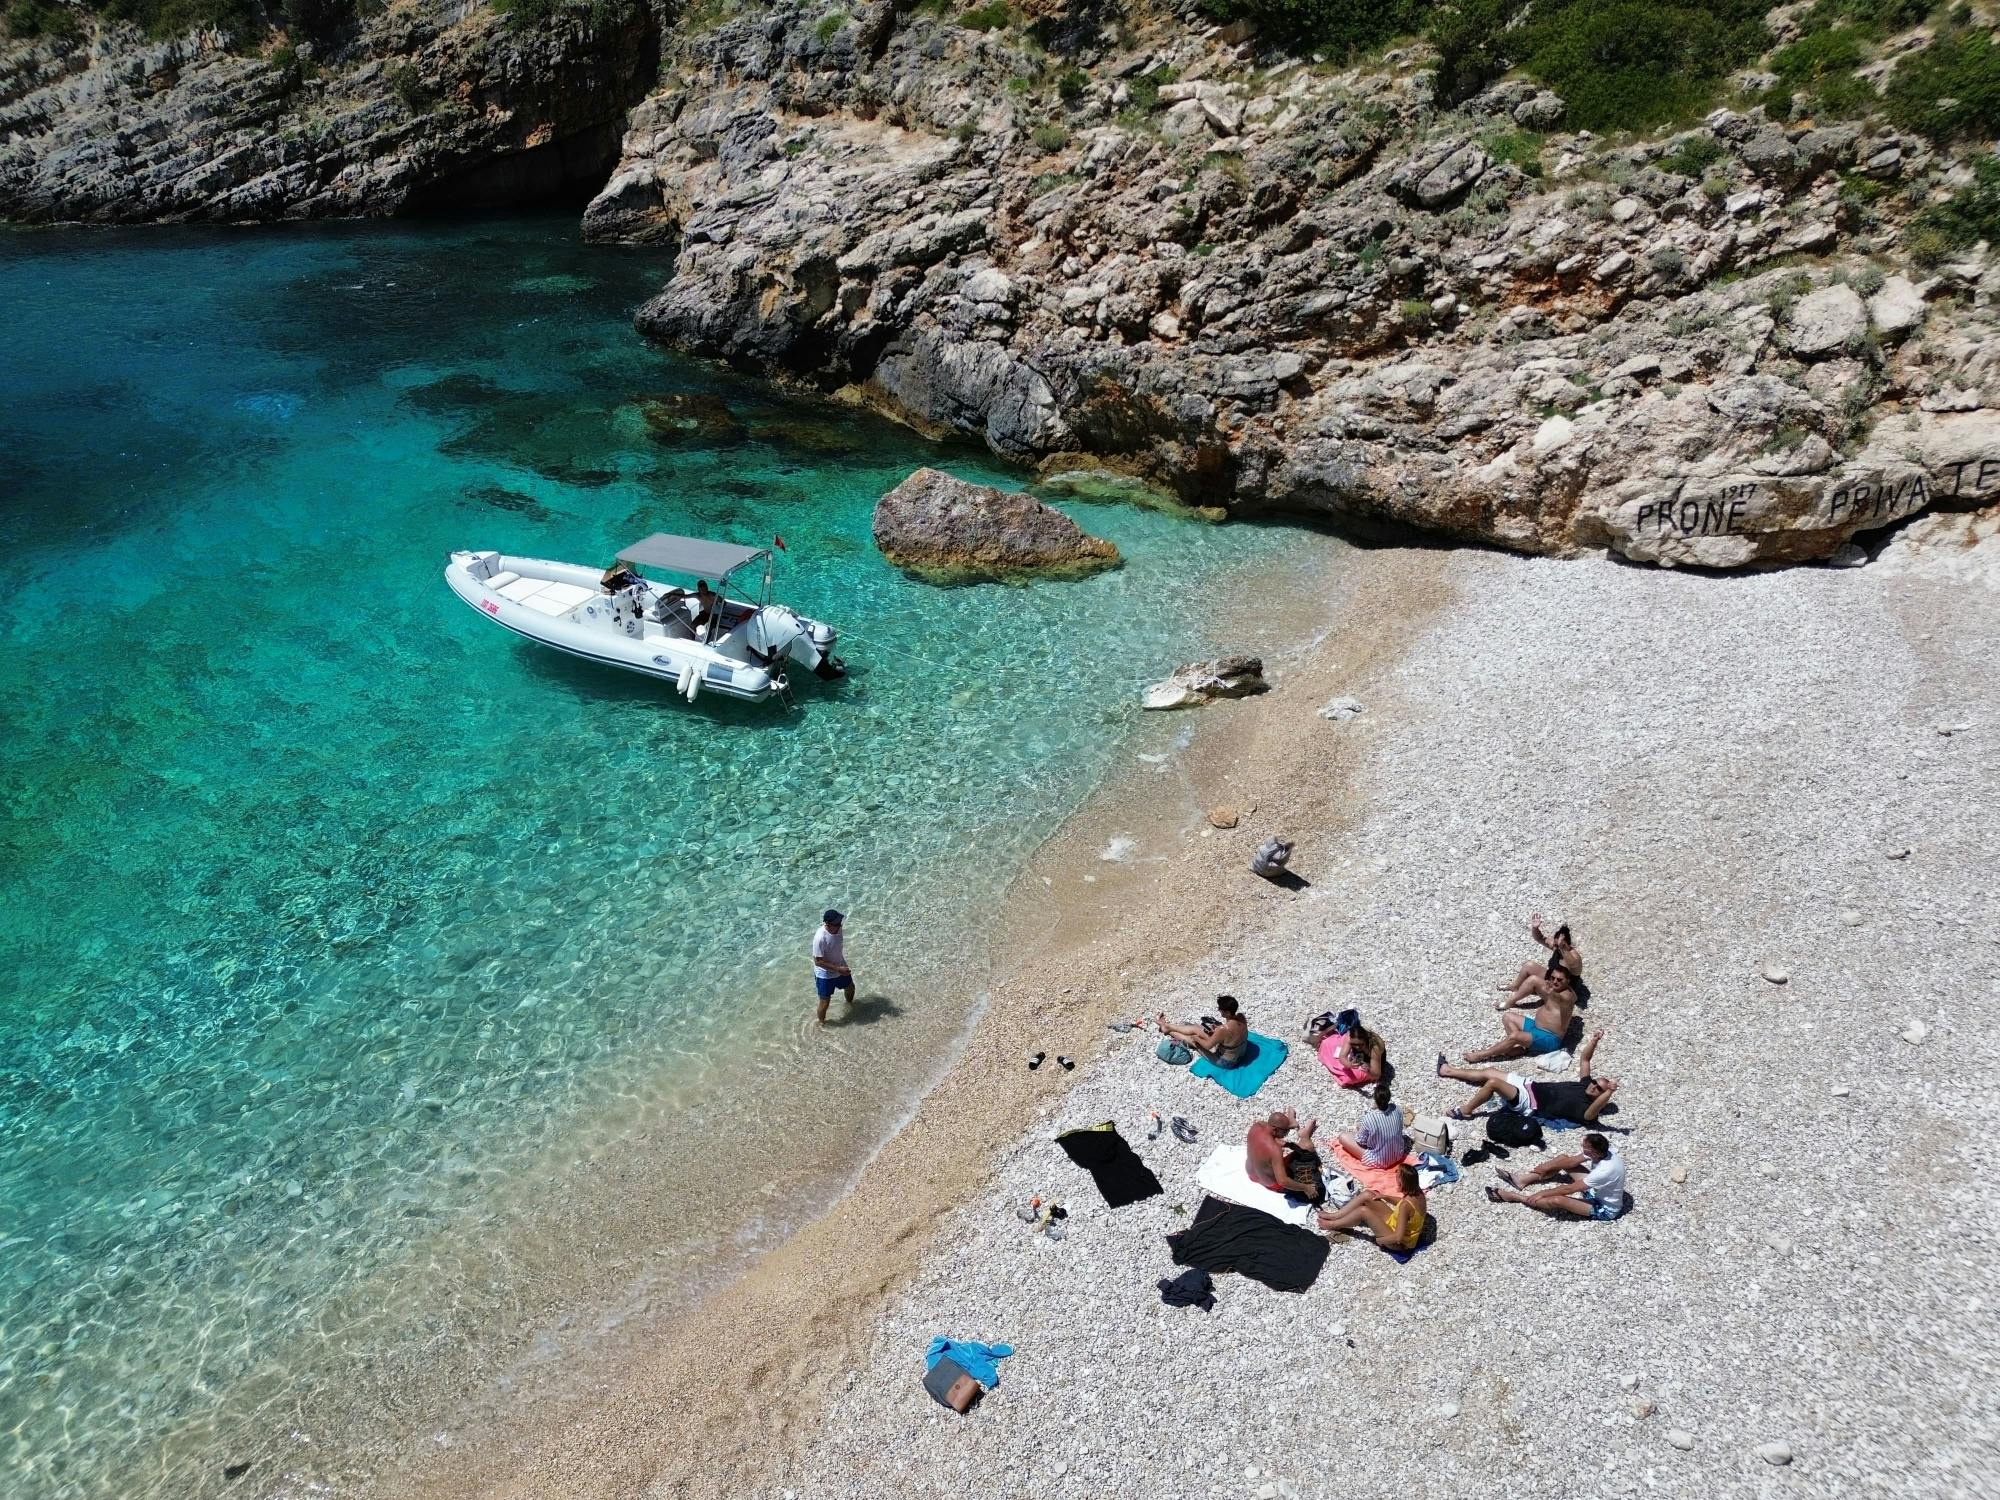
x=1279, y=286
x=428, y=104
x=1128, y=240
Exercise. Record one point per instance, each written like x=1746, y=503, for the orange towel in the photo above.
x=1381, y=1179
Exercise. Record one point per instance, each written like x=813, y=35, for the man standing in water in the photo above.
x=830, y=971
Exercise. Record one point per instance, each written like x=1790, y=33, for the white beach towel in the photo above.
x=1226, y=1174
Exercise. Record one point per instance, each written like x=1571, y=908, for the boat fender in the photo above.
x=681, y=682
x=694, y=685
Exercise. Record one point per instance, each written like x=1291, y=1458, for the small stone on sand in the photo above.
x=1224, y=817
x=1775, y=973
x=1915, y=1032
x=1852, y=917
x=1775, y=1453
x=1681, y=1439
x=1678, y=1175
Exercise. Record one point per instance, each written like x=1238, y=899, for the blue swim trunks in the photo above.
x=1540, y=1039
x=1599, y=1209
x=826, y=984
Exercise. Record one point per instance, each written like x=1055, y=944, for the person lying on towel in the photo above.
x=1396, y=1222
x=1540, y=1032
x=1580, y=1102
x=1223, y=1041
x=1283, y=1166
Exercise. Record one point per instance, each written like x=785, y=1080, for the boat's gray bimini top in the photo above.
x=691, y=555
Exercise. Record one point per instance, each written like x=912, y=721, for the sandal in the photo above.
x=1067, y=1065
x=1493, y=1194
x=1183, y=1131
x=1456, y=1114
x=1508, y=1177
x=1440, y=1065
x=1037, y=1060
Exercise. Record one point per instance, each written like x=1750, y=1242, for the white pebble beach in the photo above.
x=1702, y=775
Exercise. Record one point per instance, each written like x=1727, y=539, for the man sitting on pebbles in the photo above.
x=1280, y=1165
x=1541, y=1032
x=1599, y=1193
x=1580, y=1102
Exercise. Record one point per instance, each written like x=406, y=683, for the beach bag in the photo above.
x=950, y=1386
x=1319, y=1026
x=1512, y=1128
x=1346, y=1021
x=1431, y=1133
x=1177, y=1053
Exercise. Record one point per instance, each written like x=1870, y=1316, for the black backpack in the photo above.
x=1512, y=1128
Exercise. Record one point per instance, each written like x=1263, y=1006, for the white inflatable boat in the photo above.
x=700, y=640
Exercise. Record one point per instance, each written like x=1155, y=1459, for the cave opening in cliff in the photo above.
x=564, y=173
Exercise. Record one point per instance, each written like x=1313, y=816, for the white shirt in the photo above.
x=1607, y=1180
x=827, y=946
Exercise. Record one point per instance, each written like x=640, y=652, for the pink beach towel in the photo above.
x=1348, y=1075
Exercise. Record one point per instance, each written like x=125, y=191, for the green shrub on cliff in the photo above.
x=1341, y=26
x=164, y=18
x=1951, y=89
x=1971, y=215
x=994, y=16
x=1618, y=64
x=43, y=20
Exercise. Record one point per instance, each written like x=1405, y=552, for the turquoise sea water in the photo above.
x=347, y=940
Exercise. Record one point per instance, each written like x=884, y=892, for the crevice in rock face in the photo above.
x=560, y=174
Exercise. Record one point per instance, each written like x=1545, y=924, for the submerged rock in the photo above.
x=1201, y=681
x=950, y=530
x=691, y=417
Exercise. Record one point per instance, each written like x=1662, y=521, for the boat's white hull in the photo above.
x=572, y=613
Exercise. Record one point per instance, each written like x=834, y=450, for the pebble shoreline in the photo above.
x=1718, y=782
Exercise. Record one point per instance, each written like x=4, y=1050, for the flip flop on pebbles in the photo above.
x=1037, y=1060
x=1183, y=1131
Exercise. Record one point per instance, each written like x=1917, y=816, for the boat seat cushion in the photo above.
x=522, y=589
x=501, y=580
x=555, y=599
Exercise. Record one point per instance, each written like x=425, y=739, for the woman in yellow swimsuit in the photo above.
x=1397, y=1224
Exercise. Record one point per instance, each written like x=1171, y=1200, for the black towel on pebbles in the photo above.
x=1192, y=1288
x=1228, y=1237
x=1102, y=1152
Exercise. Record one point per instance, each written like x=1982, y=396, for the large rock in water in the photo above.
x=946, y=528
x=1202, y=681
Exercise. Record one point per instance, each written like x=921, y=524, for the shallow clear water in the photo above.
x=340, y=929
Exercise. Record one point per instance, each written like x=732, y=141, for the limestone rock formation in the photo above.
x=1287, y=292
x=431, y=105
x=1198, y=682
x=945, y=528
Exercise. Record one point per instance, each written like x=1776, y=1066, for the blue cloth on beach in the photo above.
x=1261, y=1058
x=980, y=1361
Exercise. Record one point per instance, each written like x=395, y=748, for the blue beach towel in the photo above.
x=1260, y=1061
x=980, y=1361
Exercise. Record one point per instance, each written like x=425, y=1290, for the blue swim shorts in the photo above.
x=1599, y=1209
x=826, y=984
x=1540, y=1039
